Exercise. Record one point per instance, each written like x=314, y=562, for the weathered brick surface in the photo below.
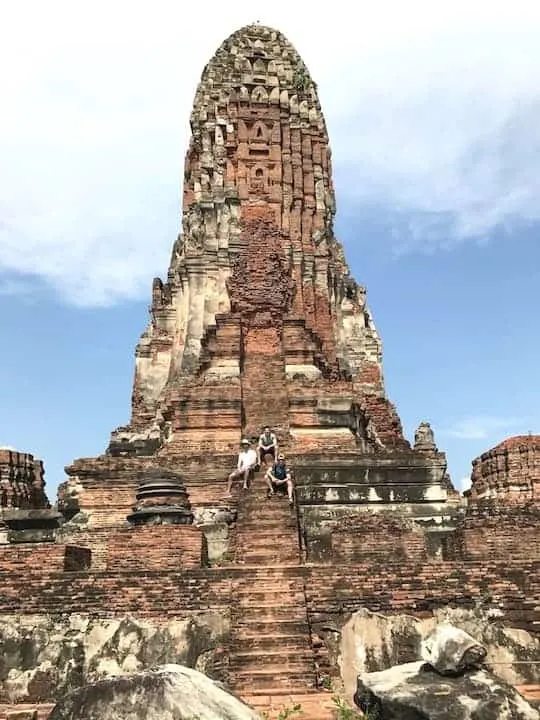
x=419, y=588
x=171, y=594
x=509, y=472
x=22, y=481
x=42, y=558
x=375, y=537
x=151, y=547
x=494, y=532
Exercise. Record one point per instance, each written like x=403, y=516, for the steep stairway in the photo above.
x=266, y=528
x=271, y=662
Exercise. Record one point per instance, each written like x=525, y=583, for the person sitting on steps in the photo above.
x=268, y=445
x=247, y=461
x=279, y=476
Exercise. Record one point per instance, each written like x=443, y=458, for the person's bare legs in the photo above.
x=290, y=488
x=246, y=477
x=231, y=479
x=269, y=484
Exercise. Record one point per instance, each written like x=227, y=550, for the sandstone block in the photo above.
x=451, y=651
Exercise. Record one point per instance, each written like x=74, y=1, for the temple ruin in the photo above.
x=258, y=322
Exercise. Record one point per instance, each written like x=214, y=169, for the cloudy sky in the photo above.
x=434, y=116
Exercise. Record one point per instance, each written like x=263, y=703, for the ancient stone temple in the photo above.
x=258, y=292
x=259, y=323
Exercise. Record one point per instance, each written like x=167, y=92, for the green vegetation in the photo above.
x=347, y=713
x=286, y=713
x=301, y=80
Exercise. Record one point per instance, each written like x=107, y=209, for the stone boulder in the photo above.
x=171, y=692
x=450, y=651
x=414, y=691
x=371, y=642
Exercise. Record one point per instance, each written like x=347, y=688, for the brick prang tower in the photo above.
x=260, y=322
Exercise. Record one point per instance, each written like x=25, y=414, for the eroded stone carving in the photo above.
x=424, y=438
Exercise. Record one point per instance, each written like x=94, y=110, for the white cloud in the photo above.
x=433, y=112
x=481, y=427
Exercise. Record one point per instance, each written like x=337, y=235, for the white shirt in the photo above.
x=246, y=459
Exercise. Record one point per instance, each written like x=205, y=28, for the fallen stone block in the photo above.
x=171, y=692
x=414, y=691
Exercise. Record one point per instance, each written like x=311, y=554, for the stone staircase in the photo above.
x=271, y=663
x=266, y=528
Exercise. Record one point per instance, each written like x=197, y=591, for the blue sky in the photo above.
x=434, y=125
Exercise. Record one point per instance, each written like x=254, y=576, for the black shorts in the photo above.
x=282, y=487
x=268, y=451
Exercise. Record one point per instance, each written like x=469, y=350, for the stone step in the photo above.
x=257, y=608
x=273, y=674
x=258, y=523
x=268, y=524
x=248, y=627
x=269, y=615
x=262, y=511
x=270, y=643
x=268, y=545
x=261, y=559
x=277, y=543
x=262, y=681
x=275, y=657
x=277, y=594
x=285, y=585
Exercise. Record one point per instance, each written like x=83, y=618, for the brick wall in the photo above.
x=412, y=587
x=42, y=558
x=419, y=588
x=509, y=472
x=498, y=532
x=95, y=541
x=155, y=547
x=159, y=595
x=376, y=537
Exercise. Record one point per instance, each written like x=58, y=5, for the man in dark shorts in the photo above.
x=268, y=445
x=279, y=477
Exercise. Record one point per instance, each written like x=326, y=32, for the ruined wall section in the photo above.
x=22, y=481
x=508, y=473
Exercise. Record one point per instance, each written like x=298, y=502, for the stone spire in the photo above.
x=257, y=273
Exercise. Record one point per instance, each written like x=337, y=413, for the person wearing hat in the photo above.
x=279, y=476
x=247, y=460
